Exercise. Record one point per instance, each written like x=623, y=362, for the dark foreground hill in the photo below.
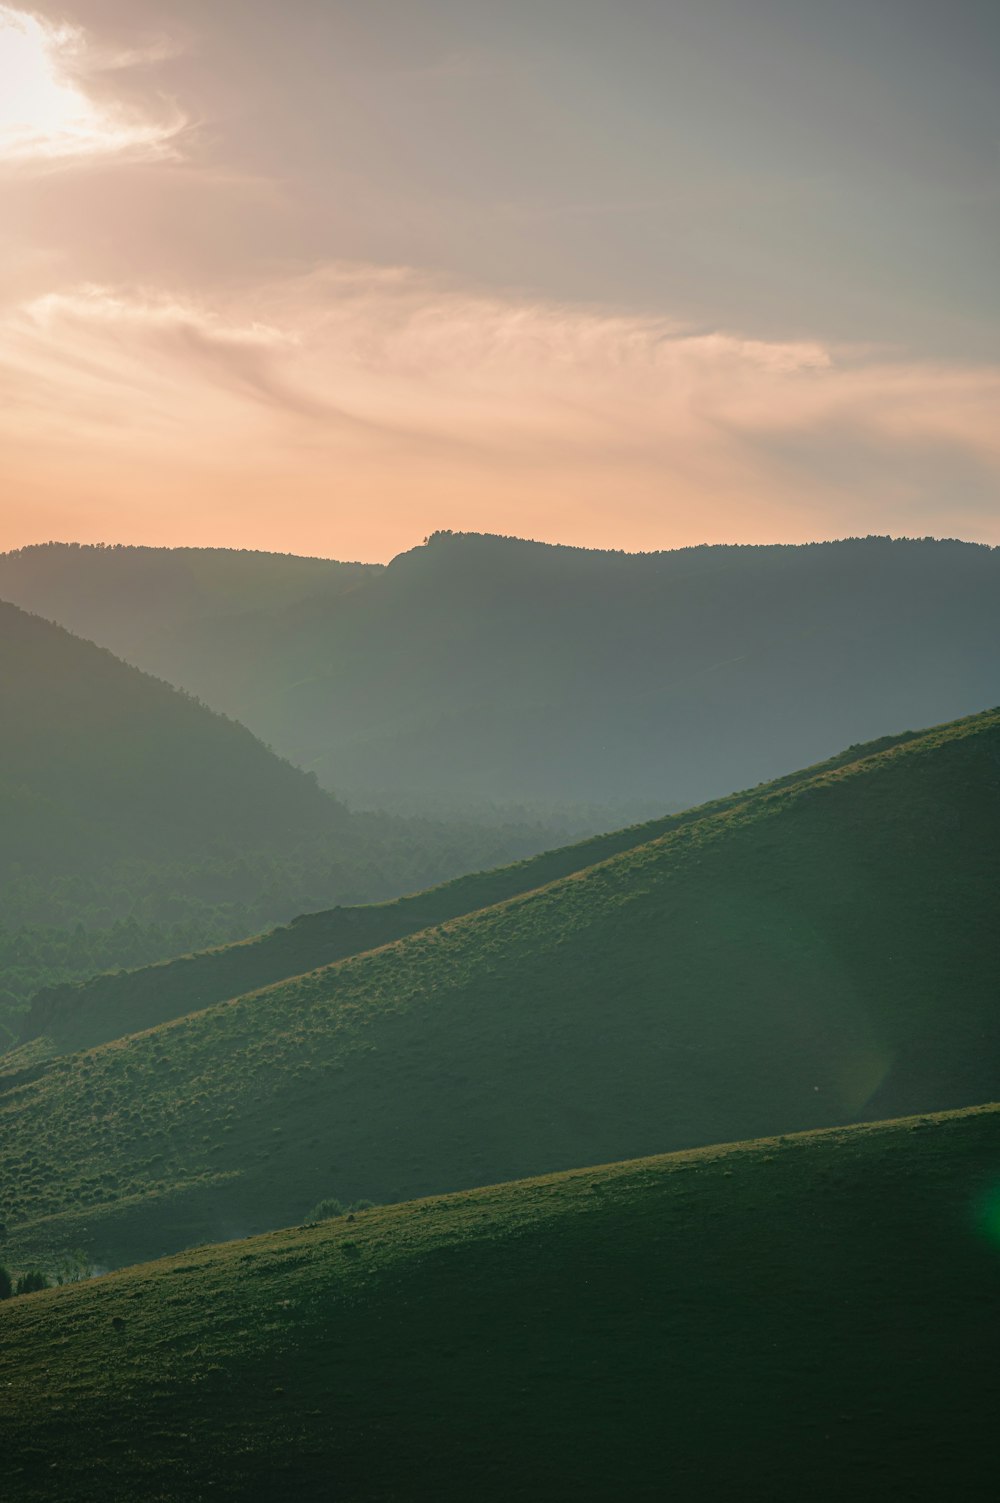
x=480, y=671
x=803, y=1318
x=822, y=952
x=76, y=1016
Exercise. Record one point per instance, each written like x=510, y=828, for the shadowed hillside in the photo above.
x=821, y=952
x=70, y=1017
x=802, y=1318
x=99, y=761
x=123, y=800
x=479, y=671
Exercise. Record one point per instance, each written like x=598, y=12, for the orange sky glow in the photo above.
x=161, y=384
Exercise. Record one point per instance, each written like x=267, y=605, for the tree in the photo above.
x=31, y=1282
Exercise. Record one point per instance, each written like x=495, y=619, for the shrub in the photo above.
x=326, y=1210
x=6, y=1284
x=31, y=1282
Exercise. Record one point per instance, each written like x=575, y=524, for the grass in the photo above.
x=111, y=1006
x=820, y=952
x=808, y=1317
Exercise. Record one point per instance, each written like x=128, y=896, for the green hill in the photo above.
x=122, y=798
x=481, y=671
x=801, y=1318
x=822, y=952
x=71, y=1017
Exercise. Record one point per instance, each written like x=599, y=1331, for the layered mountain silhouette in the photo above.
x=99, y=761
x=125, y=801
x=481, y=670
x=821, y=951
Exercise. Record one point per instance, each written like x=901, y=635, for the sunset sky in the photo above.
x=323, y=277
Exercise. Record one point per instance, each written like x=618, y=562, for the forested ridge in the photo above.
x=479, y=670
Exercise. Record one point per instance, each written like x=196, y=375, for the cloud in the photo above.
x=50, y=111
x=136, y=358
x=387, y=403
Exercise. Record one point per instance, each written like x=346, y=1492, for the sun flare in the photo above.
x=44, y=112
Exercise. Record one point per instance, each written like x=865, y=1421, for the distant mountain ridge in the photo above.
x=824, y=950
x=477, y=670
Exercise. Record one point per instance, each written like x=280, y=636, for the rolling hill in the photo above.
x=821, y=952
x=803, y=1317
x=481, y=671
x=76, y=1016
x=122, y=798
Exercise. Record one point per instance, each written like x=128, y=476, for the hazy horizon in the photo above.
x=637, y=276
x=408, y=547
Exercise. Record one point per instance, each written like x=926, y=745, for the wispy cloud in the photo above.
x=403, y=397
x=51, y=113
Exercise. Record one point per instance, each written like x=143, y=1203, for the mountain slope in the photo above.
x=122, y=798
x=136, y=601
x=64, y=1019
x=99, y=761
x=807, y=1317
x=477, y=671
x=817, y=954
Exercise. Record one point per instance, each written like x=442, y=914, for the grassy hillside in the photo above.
x=67, y=1018
x=801, y=1318
x=820, y=953
x=122, y=798
x=478, y=671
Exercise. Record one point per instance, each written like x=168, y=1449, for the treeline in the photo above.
x=28, y=1283
x=68, y=1268
x=37, y=956
x=134, y=913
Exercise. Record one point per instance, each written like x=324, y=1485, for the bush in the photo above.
x=326, y=1210
x=31, y=1282
x=6, y=1284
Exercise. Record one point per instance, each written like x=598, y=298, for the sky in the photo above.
x=323, y=277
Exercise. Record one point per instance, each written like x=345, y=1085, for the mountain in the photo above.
x=481, y=671
x=122, y=798
x=137, y=601
x=66, y=1018
x=821, y=952
x=803, y=1317
x=99, y=761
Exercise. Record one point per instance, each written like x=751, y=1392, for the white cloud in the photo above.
x=48, y=115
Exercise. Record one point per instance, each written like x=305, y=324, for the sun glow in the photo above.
x=44, y=111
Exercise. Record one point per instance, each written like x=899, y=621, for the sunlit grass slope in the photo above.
x=800, y=1318
x=72, y=1017
x=821, y=953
